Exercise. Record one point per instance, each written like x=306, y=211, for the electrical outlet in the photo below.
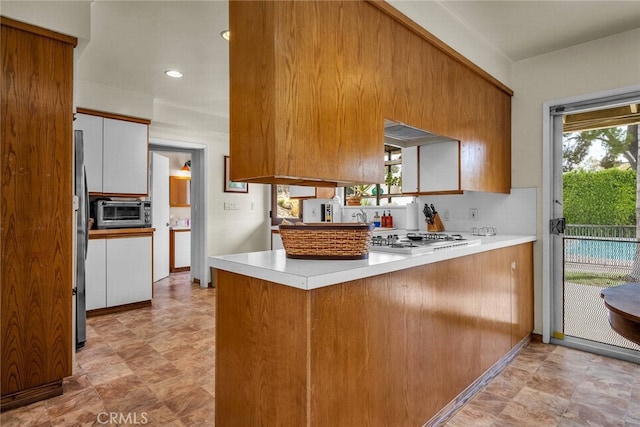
x=473, y=214
x=446, y=215
x=313, y=212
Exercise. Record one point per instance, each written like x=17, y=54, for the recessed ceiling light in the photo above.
x=225, y=34
x=173, y=73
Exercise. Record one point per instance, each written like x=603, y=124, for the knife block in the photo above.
x=437, y=225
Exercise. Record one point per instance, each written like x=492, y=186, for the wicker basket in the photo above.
x=327, y=241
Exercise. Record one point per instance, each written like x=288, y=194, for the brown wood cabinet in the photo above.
x=393, y=349
x=37, y=212
x=179, y=191
x=312, y=82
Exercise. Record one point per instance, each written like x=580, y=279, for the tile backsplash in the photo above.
x=513, y=213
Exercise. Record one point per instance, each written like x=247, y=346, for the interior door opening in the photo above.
x=198, y=203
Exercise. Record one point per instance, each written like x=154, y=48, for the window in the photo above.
x=390, y=191
x=282, y=206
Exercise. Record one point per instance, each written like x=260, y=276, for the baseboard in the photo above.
x=31, y=395
x=446, y=413
x=118, y=308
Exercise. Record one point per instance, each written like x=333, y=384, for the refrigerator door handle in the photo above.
x=86, y=213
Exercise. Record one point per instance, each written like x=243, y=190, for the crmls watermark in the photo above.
x=121, y=418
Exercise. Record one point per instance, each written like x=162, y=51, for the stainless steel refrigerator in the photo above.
x=82, y=240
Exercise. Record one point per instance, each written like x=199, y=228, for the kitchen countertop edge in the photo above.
x=275, y=267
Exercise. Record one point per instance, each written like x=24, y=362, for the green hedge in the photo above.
x=606, y=197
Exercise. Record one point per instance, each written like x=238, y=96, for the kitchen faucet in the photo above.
x=360, y=216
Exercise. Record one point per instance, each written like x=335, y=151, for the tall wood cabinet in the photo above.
x=37, y=212
x=312, y=82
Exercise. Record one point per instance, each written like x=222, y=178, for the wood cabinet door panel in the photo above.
x=179, y=191
x=522, y=292
x=36, y=110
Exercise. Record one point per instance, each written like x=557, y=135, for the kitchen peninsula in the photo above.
x=389, y=340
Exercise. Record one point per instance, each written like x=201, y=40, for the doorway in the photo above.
x=597, y=246
x=198, y=202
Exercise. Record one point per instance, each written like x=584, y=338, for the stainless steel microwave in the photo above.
x=122, y=214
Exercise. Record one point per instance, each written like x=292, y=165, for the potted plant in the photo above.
x=357, y=191
x=393, y=182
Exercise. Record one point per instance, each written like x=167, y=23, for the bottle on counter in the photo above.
x=376, y=220
x=389, y=220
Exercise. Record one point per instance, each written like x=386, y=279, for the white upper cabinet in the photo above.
x=91, y=127
x=116, y=154
x=297, y=191
x=440, y=167
x=410, y=170
x=125, y=156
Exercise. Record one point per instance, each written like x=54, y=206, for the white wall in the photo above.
x=230, y=231
x=605, y=64
x=72, y=18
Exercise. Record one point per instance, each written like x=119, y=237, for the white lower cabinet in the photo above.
x=96, y=274
x=182, y=249
x=129, y=270
x=119, y=271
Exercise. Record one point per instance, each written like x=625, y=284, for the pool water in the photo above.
x=618, y=250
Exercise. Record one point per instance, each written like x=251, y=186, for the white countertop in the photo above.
x=274, y=266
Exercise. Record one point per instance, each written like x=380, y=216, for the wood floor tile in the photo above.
x=588, y=415
x=31, y=415
x=189, y=402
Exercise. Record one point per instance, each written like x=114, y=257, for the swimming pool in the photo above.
x=586, y=250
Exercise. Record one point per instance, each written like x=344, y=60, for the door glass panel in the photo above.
x=597, y=197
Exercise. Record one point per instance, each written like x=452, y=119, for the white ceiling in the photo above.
x=134, y=42
x=523, y=29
